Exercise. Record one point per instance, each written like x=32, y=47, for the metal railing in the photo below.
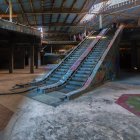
x=5, y=24
x=125, y=3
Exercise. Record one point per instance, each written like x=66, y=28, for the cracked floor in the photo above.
x=93, y=116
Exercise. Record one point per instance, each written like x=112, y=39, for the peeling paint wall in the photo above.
x=110, y=67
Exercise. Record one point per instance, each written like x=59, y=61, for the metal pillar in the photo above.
x=11, y=60
x=39, y=59
x=10, y=10
x=32, y=59
x=36, y=58
x=100, y=22
x=51, y=50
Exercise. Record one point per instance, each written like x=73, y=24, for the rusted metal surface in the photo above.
x=4, y=24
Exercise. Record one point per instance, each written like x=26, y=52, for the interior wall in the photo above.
x=130, y=50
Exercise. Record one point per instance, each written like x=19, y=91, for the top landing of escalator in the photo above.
x=16, y=27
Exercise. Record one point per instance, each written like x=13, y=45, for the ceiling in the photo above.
x=63, y=16
x=52, y=15
x=126, y=12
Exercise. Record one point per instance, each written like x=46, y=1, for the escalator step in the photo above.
x=54, y=78
x=80, y=75
x=87, y=65
x=85, y=69
x=50, y=82
x=83, y=72
x=57, y=76
x=72, y=87
x=64, y=67
x=62, y=70
x=59, y=72
x=65, y=90
x=76, y=83
x=79, y=79
x=66, y=64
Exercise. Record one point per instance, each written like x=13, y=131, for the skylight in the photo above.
x=96, y=8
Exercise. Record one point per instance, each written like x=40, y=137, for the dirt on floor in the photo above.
x=93, y=116
x=7, y=81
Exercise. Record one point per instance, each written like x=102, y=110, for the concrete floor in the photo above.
x=93, y=116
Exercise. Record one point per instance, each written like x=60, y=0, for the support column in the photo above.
x=32, y=59
x=36, y=58
x=10, y=10
x=100, y=22
x=39, y=58
x=51, y=49
x=11, y=60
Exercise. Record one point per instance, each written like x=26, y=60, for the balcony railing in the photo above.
x=4, y=24
x=125, y=3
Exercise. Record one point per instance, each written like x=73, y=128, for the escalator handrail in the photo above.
x=90, y=79
x=48, y=74
x=42, y=78
x=75, y=65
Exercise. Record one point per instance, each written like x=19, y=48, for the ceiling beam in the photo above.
x=51, y=14
x=42, y=9
x=7, y=16
x=58, y=18
x=62, y=4
x=31, y=3
x=7, y=3
x=58, y=24
x=23, y=11
x=85, y=3
x=57, y=11
x=71, y=8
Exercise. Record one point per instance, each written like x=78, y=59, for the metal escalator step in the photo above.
x=53, y=81
x=65, y=90
x=62, y=70
x=87, y=65
x=83, y=72
x=91, y=61
x=95, y=53
x=92, y=58
x=76, y=83
x=85, y=69
x=80, y=75
x=73, y=57
x=50, y=82
x=66, y=64
x=81, y=79
x=72, y=87
x=54, y=78
x=59, y=72
x=64, y=67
